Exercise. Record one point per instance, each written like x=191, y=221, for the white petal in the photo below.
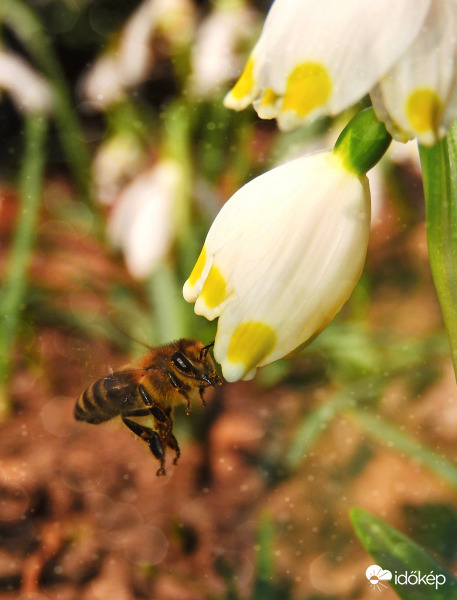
x=141, y=222
x=101, y=85
x=29, y=90
x=427, y=72
x=149, y=238
x=117, y=160
x=192, y=289
x=214, y=57
x=135, y=49
x=130, y=61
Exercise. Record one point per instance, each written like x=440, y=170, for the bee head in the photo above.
x=193, y=361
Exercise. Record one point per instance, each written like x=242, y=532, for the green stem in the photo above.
x=176, y=146
x=21, y=18
x=15, y=279
x=167, y=304
x=439, y=168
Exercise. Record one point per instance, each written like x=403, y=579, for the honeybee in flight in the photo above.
x=162, y=378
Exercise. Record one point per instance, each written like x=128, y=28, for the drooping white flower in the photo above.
x=280, y=260
x=29, y=90
x=129, y=61
x=115, y=163
x=311, y=61
x=103, y=84
x=215, y=56
x=418, y=96
x=142, y=220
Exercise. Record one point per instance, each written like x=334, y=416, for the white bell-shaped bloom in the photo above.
x=418, y=96
x=29, y=90
x=142, y=223
x=280, y=260
x=215, y=58
x=311, y=61
x=117, y=160
x=130, y=60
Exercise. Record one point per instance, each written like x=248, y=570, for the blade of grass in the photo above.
x=15, y=278
x=439, y=168
x=319, y=419
x=263, y=585
x=389, y=435
x=402, y=359
x=395, y=552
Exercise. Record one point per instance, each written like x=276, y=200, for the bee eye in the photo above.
x=180, y=361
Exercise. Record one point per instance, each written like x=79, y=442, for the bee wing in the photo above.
x=121, y=387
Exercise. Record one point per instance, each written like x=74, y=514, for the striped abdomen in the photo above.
x=108, y=397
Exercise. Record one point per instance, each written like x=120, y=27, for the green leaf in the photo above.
x=391, y=436
x=439, y=168
x=316, y=422
x=15, y=276
x=393, y=551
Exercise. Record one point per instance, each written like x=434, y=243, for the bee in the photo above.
x=163, y=378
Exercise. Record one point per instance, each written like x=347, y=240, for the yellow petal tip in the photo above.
x=214, y=289
x=309, y=86
x=198, y=268
x=250, y=343
x=423, y=110
x=241, y=94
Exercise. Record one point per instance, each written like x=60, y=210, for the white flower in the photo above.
x=312, y=60
x=28, y=89
x=116, y=162
x=129, y=62
x=215, y=60
x=280, y=260
x=418, y=96
x=103, y=84
x=142, y=221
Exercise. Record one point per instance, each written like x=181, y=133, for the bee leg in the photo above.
x=200, y=391
x=179, y=385
x=173, y=443
x=156, y=447
x=138, y=412
x=170, y=439
x=154, y=409
x=152, y=439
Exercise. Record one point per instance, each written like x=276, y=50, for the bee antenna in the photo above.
x=128, y=336
x=204, y=350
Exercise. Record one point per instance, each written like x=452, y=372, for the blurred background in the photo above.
x=116, y=154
